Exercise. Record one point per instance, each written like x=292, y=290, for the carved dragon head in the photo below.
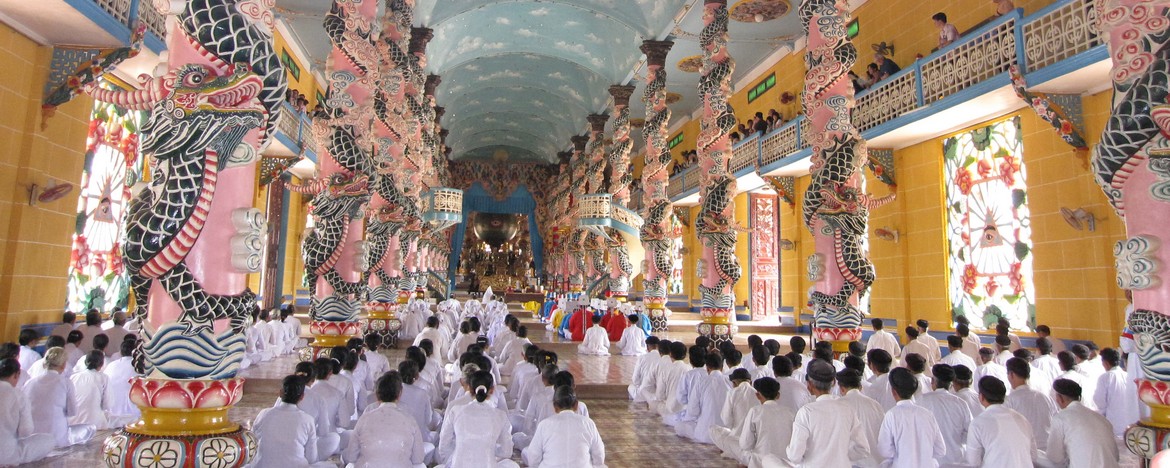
x=200, y=108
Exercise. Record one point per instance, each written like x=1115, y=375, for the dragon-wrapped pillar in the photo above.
x=657, y=266
x=1132, y=166
x=835, y=207
x=576, y=242
x=593, y=244
x=620, y=268
x=718, y=269
x=192, y=237
x=335, y=255
x=418, y=154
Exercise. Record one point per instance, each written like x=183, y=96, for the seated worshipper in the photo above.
x=73, y=351
x=1114, y=393
x=523, y=420
x=465, y=396
x=1046, y=363
x=333, y=417
x=704, y=408
x=971, y=343
x=119, y=372
x=513, y=353
x=116, y=331
x=648, y=389
x=1003, y=350
x=615, y=322
x=956, y=357
x=539, y=410
x=596, y=342
x=752, y=342
x=505, y=335
x=666, y=386
x=100, y=343
x=950, y=412
x=386, y=436
x=328, y=438
x=28, y=356
x=760, y=358
x=641, y=367
x=826, y=432
x=377, y=362
x=92, y=327
x=293, y=325
x=858, y=364
x=285, y=435
x=879, y=361
x=857, y=351
x=999, y=436
x=415, y=316
x=1070, y=370
x=740, y=399
x=476, y=434
x=798, y=356
x=772, y=345
x=917, y=366
x=281, y=339
x=19, y=441
x=534, y=383
x=432, y=376
x=633, y=339
x=1038, y=381
x=732, y=359
x=416, y=403
x=909, y=434
x=1079, y=437
x=581, y=319
x=929, y=341
x=866, y=410
x=565, y=438
x=1043, y=331
x=343, y=379
x=1003, y=327
x=91, y=394
x=50, y=396
x=459, y=346
x=916, y=346
x=689, y=381
x=793, y=393
x=767, y=428
x=989, y=367
x=522, y=374
x=962, y=389
x=38, y=368
x=68, y=324
x=882, y=339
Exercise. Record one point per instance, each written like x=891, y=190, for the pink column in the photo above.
x=656, y=232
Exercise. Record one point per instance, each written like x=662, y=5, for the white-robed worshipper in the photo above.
x=666, y=387
x=641, y=367
x=28, y=356
x=866, y=410
x=1128, y=345
x=415, y=402
x=116, y=331
x=929, y=341
x=68, y=324
x=825, y=432
x=565, y=439
x=917, y=364
x=432, y=376
x=1079, y=437
x=1003, y=349
x=464, y=396
x=385, y=435
x=596, y=342
x=740, y=400
x=1114, y=396
x=1046, y=363
x=522, y=375
x=285, y=435
x=909, y=434
x=956, y=356
x=633, y=342
x=340, y=357
x=999, y=436
x=50, y=396
x=1069, y=370
x=377, y=362
x=503, y=335
x=767, y=428
x=951, y=413
x=73, y=351
x=256, y=339
x=477, y=434
x=1003, y=328
x=91, y=393
x=882, y=339
x=988, y=367
x=293, y=325
x=19, y=440
x=324, y=413
x=332, y=419
x=917, y=346
x=415, y=317
x=962, y=389
x=971, y=341
x=689, y=385
x=1036, y=406
x=541, y=409
x=100, y=343
x=281, y=338
x=793, y=393
x=513, y=353
x=466, y=338
x=648, y=388
x=523, y=419
x=38, y=368
x=119, y=372
x=704, y=408
x=92, y=328
x=879, y=361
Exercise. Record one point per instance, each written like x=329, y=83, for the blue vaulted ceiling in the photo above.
x=520, y=76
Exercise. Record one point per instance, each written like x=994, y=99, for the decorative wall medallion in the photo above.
x=690, y=64
x=758, y=11
x=1136, y=262
x=672, y=98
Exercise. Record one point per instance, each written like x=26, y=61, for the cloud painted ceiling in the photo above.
x=520, y=76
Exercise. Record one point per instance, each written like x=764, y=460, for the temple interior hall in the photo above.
x=242, y=198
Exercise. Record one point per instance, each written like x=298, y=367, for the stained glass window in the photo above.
x=989, y=234
x=676, y=255
x=97, y=278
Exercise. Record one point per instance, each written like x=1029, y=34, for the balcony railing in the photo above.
x=1047, y=38
x=119, y=17
x=296, y=128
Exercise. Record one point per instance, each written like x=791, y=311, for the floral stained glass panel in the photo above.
x=989, y=233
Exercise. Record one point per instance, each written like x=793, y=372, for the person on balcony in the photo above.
x=885, y=66
x=947, y=33
x=1003, y=7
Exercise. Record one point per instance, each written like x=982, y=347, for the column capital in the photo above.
x=621, y=94
x=597, y=121
x=579, y=142
x=563, y=156
x=439, y=112
x=656, y=52
x=419, y=38
x=431, y=84
x=443, y=134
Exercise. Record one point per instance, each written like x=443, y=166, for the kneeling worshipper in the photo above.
x=825, y=432
x=1079, y=437
x=565, y=439
x=616, y=321
x=385, y=435
x=51, y=397
x=704, y=408
x=950, y=412
x=650, y=346
x=740, y=400
x=999, y=436
x=119, y=372
x=91, y=393
x=633, y=338
x=1037, y=407
x=287, y=436
x=596, y=341
x=688, y=385
x=415, y=401
x=909, y=434
x=767, y=428
x=477, y=434
x=19, y=441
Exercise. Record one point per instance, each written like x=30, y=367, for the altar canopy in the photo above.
x=477, y=199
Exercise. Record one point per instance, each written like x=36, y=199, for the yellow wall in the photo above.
x=307, y=84
x=34, y=240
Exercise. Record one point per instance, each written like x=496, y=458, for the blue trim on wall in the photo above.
x=1068, y=65
x=477, y=199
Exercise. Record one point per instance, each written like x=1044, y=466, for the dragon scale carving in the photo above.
x=656, y=229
